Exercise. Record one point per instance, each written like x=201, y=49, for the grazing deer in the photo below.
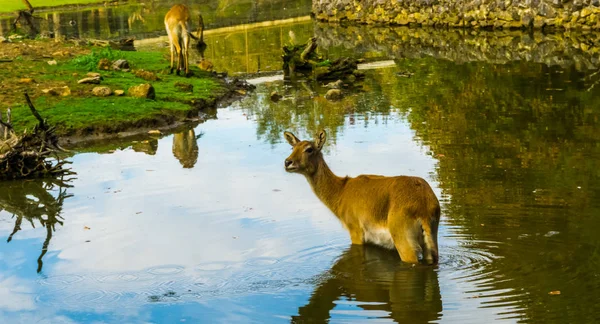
x=177, y=22
x=401, y=212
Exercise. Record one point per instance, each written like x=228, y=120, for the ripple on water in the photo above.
x=61, y=280
x=165, y=270
x=125, y=277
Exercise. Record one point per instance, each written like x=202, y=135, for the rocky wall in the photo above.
x=493, y=14
x=578, y=50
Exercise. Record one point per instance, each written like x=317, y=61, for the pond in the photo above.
x=205, y=225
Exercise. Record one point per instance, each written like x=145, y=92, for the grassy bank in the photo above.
x=83, y=114
x=14, y=5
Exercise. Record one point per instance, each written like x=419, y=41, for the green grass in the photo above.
x=82, y=114
x=14, y=5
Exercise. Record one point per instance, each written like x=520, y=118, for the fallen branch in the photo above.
x=32, y=155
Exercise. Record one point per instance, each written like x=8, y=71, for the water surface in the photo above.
x=204, y=225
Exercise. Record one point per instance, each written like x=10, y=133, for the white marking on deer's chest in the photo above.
x=378, y=235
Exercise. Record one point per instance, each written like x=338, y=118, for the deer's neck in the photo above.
x=326, y=185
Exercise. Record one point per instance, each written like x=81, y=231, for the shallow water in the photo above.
x=204, y=225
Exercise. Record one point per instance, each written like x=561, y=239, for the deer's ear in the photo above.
x=291, y=138
x=320, y=139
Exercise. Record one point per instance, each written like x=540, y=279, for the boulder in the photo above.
x=120, y=65
x=142, y=91
x=90, y=80
x=119, y=93
x=146, y=75
x=101, y=91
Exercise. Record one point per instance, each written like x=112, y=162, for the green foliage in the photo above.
x=81, y=113
x=12, y=5
x=90, y=62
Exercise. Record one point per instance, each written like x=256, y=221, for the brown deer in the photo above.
x=394, y=212
x=177, y=22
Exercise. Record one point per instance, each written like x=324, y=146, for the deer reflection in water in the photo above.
x=185, y=148
x=32, y=201
x=375, y=280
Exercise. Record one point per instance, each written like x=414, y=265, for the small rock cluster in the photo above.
x=563, y=14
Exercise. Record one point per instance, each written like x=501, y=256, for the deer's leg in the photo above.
x=186, y=45
x=406, y=234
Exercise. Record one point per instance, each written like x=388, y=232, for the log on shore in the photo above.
x=304, y=60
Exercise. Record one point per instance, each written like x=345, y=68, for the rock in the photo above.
x=119, y=93
x=120, y=65
x=333, y=94
x=154, y=132
x=53, y=62
x=26, y=80
x=94, y=75
x=205, y=65
x=58, y=91
x=146, y=75
x=185, y=87
x=335, y=85
x=3, y=39
x=101, y=91
x=61, y=53
x=556, y=3
x=104, y=64
x=577, y=5
x=15, y=36
x=546, y=10
x=142, y=91
x=586, y=12
x=275, y=96
x=91, y=80
x=596, y=3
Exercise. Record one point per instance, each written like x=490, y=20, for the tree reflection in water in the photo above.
x=32, y=201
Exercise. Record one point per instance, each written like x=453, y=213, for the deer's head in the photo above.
x=306, y=155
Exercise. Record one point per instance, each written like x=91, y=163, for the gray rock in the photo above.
x=90, y=80
x=142, y=91
x=120, y=65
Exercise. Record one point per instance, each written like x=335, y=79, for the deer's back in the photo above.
x=375, y=196
x=178, y=13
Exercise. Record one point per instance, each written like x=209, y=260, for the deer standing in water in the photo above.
x=393, y=212
x=177, y=22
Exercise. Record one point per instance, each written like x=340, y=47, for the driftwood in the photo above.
x=303, y=59
x=33, y=154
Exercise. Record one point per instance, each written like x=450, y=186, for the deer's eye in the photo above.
x=309, y=150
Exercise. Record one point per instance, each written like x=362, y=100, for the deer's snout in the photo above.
x=288, y=163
